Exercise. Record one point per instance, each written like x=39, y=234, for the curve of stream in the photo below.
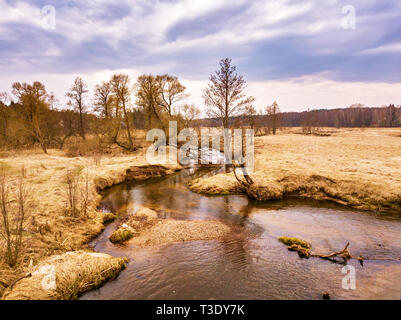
x=250, y=263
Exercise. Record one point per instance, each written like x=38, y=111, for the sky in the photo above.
x=301, y=53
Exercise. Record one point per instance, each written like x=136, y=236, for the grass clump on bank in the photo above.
x=122, y=234
x=67, y=276
x=290, y=241
x=108, y=217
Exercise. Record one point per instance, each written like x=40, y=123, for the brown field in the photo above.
x=357, y=167
x=49, y=230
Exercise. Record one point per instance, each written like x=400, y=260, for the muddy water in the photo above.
x=251, y=263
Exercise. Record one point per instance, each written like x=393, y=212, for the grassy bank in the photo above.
x=360, y=168
x=49, y=230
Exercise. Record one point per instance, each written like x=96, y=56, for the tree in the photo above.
x=225, y=93
x=33, y=105
x=171, y=91
x=148, y=97
x=190, y=113
x=4, y=116
x=14, y=214
x=102, y=99
x=77, y=94
x=273, y=116
x=120, y=85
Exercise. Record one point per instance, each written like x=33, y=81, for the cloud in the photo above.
x=271, y=42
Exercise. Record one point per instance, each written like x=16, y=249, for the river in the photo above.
x=251, y=263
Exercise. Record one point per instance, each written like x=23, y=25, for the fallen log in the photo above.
x=304, y=252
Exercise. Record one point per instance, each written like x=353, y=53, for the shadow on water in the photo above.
x=250, y=263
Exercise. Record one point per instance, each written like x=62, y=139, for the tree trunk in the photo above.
x=131, y=144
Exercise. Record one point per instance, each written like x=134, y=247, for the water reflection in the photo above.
x=251, y=263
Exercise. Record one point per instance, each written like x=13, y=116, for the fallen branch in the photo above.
x=304, y=252
x=344, y=253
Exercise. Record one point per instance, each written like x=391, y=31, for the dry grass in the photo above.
x=145, y=229
x=50, y=231
x=76, y=273
x=357, y=167
x=169, y=231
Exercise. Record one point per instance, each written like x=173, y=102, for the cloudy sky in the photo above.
x=302, y=53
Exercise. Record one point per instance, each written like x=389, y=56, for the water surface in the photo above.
x=250, y=263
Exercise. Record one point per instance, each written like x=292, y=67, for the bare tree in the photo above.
x=77, y=94
x=13, y=218
x=120, y=84
x=34, y=106
x=171, y=91
x=4, y=116
x=190, y=113
x=273, y=116
x=148, y=96
x=102, y=99
x=77, y=193
x=225, y=93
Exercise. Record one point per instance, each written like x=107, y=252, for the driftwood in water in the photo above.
x=344, y=254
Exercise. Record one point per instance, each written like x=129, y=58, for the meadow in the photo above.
x=360, y=168
x=356, y=167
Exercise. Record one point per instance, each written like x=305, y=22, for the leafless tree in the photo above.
x=77, y=94
x=34, y=105
x=4, y=116
x=148, y=97
x=273, y=112
x=102, y=99
x=190, y=114
x=120, y=84
x=171, y=91
x=14, y=215
x=225, y=93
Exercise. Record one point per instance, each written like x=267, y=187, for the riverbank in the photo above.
x=146, y=229
x=49, y=230
x=360, y=168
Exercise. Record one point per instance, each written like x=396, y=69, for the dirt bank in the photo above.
x=145, y=229
x=360, y=168
x=359, y=195
x=49, y=231
x=66, y=276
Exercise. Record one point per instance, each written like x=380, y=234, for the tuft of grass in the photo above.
x=75, y=273
x=122, y=234
x=108, y=217
x=291, y=241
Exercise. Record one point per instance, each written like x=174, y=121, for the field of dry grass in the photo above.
x=357, y=167
x=49, y=229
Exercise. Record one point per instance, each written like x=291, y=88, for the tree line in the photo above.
x=29, y=114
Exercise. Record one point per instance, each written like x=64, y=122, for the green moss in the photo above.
x=108, y=217
x=291, y=241
x=121, y=235
x=225, y=193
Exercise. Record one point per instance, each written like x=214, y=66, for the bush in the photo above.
x=123, y=234
x=108, y=217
